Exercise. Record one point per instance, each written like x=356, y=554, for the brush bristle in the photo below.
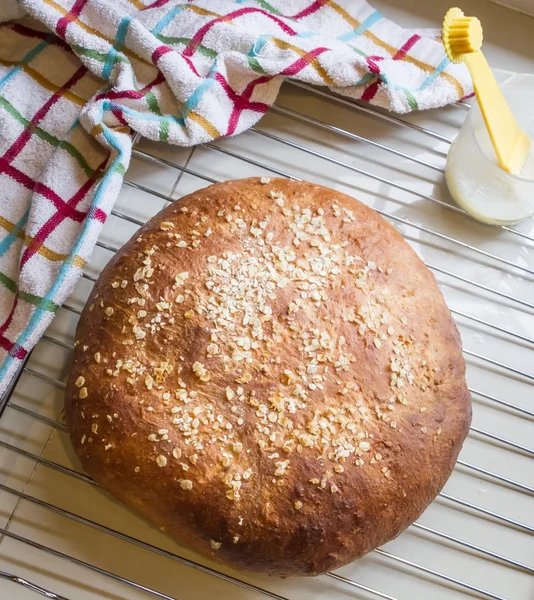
x=465, y=35
x=461, y=35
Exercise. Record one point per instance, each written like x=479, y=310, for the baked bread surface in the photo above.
x=267, y=371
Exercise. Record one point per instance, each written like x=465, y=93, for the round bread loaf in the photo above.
x=269, y=373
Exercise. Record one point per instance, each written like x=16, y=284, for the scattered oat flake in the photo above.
x=83, y=393
x=80, y=381
x=215, y=545
x=180, y=278
x=186, y=484
x=161, y=460
x=200, y=371
x=139, y=333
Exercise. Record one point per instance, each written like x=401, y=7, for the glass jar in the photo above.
x=473, y=176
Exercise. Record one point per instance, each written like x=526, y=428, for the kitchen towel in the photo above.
x=79, y=77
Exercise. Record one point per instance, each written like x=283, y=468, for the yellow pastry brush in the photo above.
x=462, y=38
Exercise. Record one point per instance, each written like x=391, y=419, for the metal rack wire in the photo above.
x=496, y=260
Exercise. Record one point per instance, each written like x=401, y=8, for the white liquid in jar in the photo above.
x=486, y=196
x=474, y=178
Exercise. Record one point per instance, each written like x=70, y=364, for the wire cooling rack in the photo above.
x=61, y=533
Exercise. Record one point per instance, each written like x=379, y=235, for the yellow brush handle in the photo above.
x=500, y=121
x=462, y=39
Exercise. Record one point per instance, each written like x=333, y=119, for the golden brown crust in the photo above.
x=269, y=372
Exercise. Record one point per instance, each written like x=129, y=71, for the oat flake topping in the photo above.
x=244, y=303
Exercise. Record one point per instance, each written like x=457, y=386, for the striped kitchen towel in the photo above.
x=77, y=77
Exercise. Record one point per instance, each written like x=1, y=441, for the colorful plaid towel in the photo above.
x=77, y=76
